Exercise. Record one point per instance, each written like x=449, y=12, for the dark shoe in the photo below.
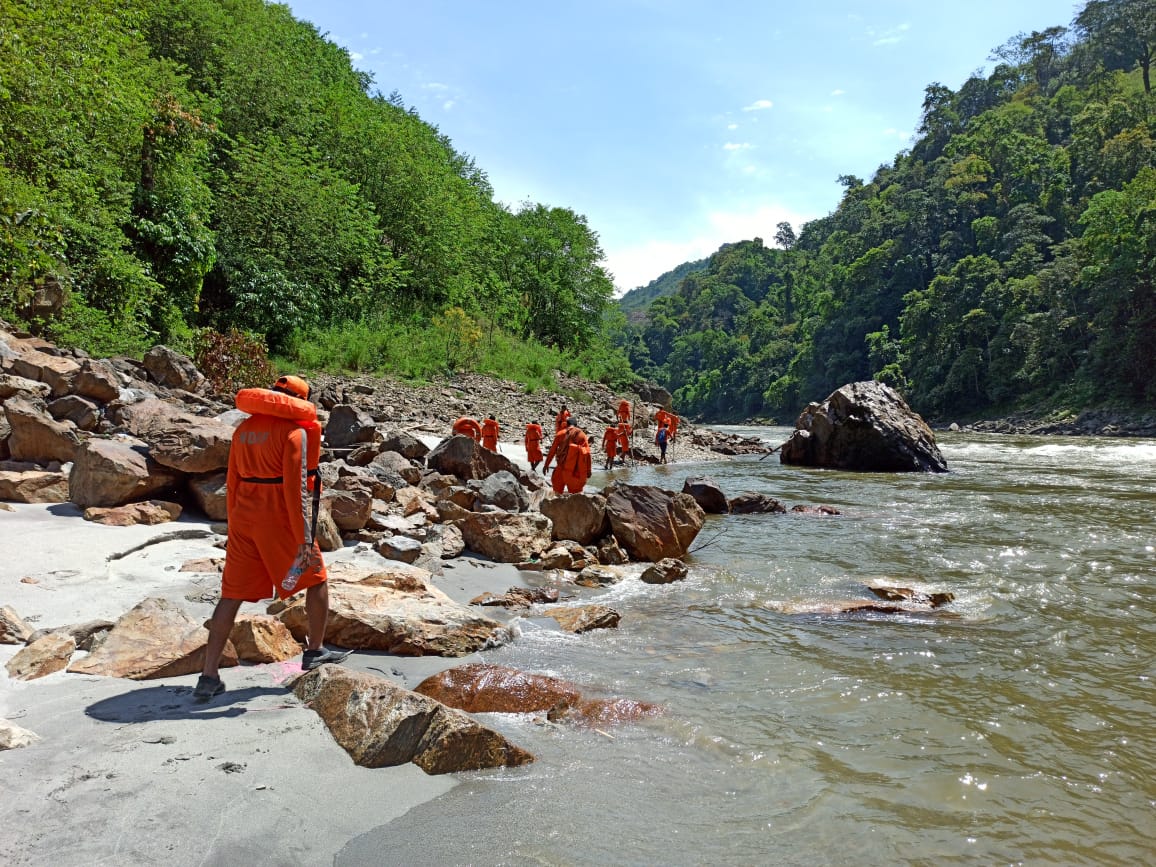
x=207, y=687
x=311, y=659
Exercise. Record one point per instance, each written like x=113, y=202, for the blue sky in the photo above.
x=674, y=126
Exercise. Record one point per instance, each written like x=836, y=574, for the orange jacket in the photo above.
x=560, y=421
x=534, y=434
x=490, y=434
x=265, y=449
x=466, y=426
x=624, y=410
x=624, y=432
x=610, y=441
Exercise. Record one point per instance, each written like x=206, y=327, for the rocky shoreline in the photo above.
x=1088, y=422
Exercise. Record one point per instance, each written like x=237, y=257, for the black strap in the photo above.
x=257, y=480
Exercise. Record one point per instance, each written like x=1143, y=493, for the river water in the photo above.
x=1019, y=728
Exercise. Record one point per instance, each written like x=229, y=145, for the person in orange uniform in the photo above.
x=270, y=535
x=662, y=417
x=560, y=421
x=468, y=427
x=572, y=448
x=610, y=444
x=534, y=435
x=672, y=423
x=624, y=411
x=624, y=432
x=490, y=434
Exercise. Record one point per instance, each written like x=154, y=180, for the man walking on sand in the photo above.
x=271, y=549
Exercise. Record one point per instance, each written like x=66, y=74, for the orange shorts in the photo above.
x=257, y=559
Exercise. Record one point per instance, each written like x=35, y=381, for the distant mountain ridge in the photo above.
x=636, y=302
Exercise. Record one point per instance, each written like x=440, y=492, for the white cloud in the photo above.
x=355, y=56
x=903, y=135
x=448, y=104
x=435, y=85
x=758, y=105
x=737, y=146
x=732, y=126
x=890, y=36
x=838, y=91
x=638, y=264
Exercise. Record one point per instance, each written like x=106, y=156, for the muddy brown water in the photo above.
x=1021, y=729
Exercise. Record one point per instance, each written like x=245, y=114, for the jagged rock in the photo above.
x=707, y=494
x=113, y=472
x=36, y=435
x=42, y=657
x=404, y=444
x=653, y=393
x=130, y=514
x=398, y=611
x=153, y=639
x=399, y=548
x=55, y=371
x=462, y=457
x=13, y=630
x=504, y=536
x=362, y=454
x=173, y=370
x=33, y=487
x=578, y=517
x=449, y=539
x=482, y=688
x=652, y=524
x=176, y=439
x=13, y=737
x=502, y=489
x=867, y=427
x=583, y=618
x=350, y=509
x=815, y=510
x=97, y=380
x=72, y=408
x=84, y=635
x=906, y=594
x=665, y=572
x=467, y=498
x=12, y=385
x=349, y=426
x=751, y=503
x=599, y=576
x=518, y=597
x=328, y=533
x=610, y=553
x=261, y=638
x=204, y=564
x=380, y=724
x=210, y=494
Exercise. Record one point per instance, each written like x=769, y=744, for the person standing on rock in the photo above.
x=490, y=434
x=534, y=435
x=560, y=420
x=610, y=444
x=271, y=549
x=572, y=448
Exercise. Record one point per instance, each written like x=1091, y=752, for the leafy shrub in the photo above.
x=233, y=360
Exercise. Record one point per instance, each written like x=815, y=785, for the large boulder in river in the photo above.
x=579, y=518
x=461, y=456
x=866, y=427
x=650, y=523
x=507, y=537
x=707, y=494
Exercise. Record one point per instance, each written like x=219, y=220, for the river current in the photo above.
x=1020, y=727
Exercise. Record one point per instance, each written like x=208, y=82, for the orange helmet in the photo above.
x=294, y=386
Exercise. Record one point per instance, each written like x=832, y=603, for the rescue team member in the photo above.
x=673, y=424
x=624, y=411
x=467, y=427
x=270, y=535
x=490, y=434
x=560, y=421
x=624, y=432
x=534, y=434
x=660, y=440
x=610, y=444
x=572, y=449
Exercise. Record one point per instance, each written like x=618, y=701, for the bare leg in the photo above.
x=316, y=614
x=220, y=626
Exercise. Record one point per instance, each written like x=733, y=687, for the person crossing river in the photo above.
x=572, y=449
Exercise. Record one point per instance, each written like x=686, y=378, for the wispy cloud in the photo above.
x=737, y=146
x=758, y=105
x=903, y=135
x=356, y=56
x=888, y=36
x=732, y=126
x=838, y=91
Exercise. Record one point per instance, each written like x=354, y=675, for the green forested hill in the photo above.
x=176, y=165
x=1008, y=257
x=635, y=302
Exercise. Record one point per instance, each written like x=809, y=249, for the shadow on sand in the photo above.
x=152, y=703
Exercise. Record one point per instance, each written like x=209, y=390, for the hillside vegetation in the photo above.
x=173, y=166
x=1006, y=259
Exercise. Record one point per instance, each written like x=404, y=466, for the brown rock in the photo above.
x=328, y=533
x=583, y=618
x=506, y=537
x=211, y=494
x=482, y=688
x=707, y=494
x=177, y=439
x=462, y=457
x=36, y=435
x=13, y=737
x=55, y=371
x=33, y=487
x=114, y=472
x=42, y=657
x=204, y=564
x=815, y=510
x=652, y=524
x=261, y=638
x=130, y=514
x=751, y=503
x=518, y=597
x=578, y=517
x=173, y=370
x=380, y=724
x=599, y=576
x=350, y=509
x=13, y=630
x=97, y=380
x=72, y=408
x=11, y=385
x=665, y=572
x=396, y=610
x=154, y=639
